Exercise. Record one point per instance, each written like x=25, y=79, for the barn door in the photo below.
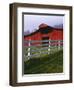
x=45, y=41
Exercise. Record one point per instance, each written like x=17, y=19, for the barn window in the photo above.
x=45, y=41
x=45, y=30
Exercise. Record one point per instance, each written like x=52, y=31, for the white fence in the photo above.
x=36, y=48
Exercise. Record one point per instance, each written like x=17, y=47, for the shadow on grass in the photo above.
x=52, y=63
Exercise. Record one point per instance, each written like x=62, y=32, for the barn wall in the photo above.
x=56, y=34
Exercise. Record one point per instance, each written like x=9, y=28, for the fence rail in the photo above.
x=34, y=48
x=42, y=42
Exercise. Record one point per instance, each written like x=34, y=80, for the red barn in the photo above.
x=45, y=32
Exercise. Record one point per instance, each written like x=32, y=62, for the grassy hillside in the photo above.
x=52, y=63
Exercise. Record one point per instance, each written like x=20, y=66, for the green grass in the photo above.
x=52, y=63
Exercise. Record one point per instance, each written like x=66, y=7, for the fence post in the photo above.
x=59, y=44
x=49, y=47
x=29, y=44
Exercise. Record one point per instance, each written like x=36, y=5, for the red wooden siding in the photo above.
x=54, y=34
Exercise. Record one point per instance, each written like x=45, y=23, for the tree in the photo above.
x=27, y=32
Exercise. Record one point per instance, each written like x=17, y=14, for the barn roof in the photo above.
x=43, y=25
x=41, y=28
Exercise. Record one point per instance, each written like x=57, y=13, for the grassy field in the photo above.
x=49, y=63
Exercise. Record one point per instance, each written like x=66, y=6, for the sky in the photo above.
x=32, y=22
